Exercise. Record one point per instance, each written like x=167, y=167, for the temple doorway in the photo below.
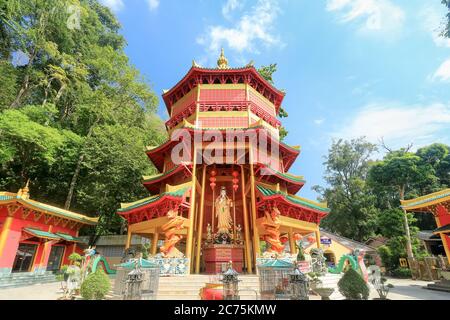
x=54, y=261
x=24, y=257
x=330, y=258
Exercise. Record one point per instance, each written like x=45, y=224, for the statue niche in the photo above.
x=223, y=205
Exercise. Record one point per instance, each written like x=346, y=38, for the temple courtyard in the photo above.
x=404, y=289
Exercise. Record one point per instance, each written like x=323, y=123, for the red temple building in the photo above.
x=36, y=237
x=228, y=200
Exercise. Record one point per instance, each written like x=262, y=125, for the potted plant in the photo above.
x=96, y=286
x=352, y=286
x=382, y=289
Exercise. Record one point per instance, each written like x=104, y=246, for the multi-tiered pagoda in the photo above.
x=219, y=198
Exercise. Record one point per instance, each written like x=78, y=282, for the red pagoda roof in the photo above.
x=197, y=75
x=291, y=206
x=154, y=183
x=157, y=155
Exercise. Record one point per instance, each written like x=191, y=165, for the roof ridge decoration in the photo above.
x=222, y=62
x=23, y=197
x=407, y=204
x=296, y=199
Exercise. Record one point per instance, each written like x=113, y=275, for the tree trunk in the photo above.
x=73, y=182
x=26, y=81
x=409, y=250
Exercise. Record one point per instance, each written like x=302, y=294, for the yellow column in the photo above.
x=317, y=232
x=200, y=222
x=155, y=242
x=253, y=200
x=190, y=237
x=292, y=242
x=246, y=226
x=4, y=234
x=127, y=245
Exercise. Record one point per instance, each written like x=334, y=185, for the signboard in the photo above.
x=325, y=241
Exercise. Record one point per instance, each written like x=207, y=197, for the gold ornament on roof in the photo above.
x=24, y=192
x=222, y=62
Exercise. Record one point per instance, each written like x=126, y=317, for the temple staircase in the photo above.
x=22, y=279
x=188, y=287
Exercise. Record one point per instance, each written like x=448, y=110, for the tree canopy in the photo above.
x=75, y=114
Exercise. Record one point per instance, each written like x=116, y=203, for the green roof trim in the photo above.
x=287, y=176
x=68, y=214
x=426, y=200
x=269, y=192
x=5, y=198
x=157, y=176
x=443, y=229
x=179, y=193
x=42, y=234
x=68, y=237
x=132, y=264
x=277, y=264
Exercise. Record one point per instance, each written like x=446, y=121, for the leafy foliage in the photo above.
x=353, y=211
x=352, y=286
x=95, y=286
x=267, y=72
x=66, y=96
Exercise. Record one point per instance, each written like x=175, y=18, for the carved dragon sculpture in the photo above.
x=271, y=225
x=168, y=250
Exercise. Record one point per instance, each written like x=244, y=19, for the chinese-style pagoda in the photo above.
x=216, y=199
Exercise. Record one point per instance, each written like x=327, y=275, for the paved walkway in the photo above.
x=404, y=289
x=407, y=289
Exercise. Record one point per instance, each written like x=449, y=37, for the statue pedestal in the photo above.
x=217, y=256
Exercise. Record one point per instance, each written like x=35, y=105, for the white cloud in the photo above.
x=230, y=6
x=153, y=4
x=443, y=72
x=399, y=124
x=114, y=5
x=434, y=20
x=319, y=121
x=252, y=28
x=375, y=15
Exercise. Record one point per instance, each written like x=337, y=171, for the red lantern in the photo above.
x=298, y=237
x=235, y=181
x=213, y=182
x=235, y=187
x=235, y=174
x=213, y=173
x=311, y=239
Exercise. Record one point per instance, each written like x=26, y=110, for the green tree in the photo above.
x=353, y=211
x=446, y=31
x=71, y=88
x=398, y=173
x=267, y=73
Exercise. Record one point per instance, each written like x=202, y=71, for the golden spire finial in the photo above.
x=222, y=62
x=24, y=192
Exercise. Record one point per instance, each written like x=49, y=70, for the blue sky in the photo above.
x=374, y=68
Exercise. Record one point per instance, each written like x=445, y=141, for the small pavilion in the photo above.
x=36, y=237
x=438, y=204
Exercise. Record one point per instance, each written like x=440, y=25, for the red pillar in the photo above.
x=9, y=242
x=442, y=219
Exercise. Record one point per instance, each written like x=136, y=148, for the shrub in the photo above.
x=401, y=273
x=75, y=257
x=352, y=286
x=96, y=286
